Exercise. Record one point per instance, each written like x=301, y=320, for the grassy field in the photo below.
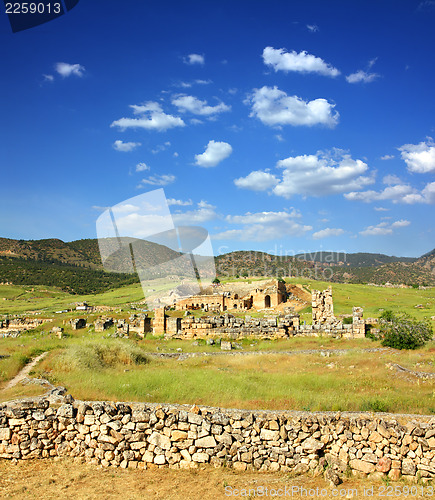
x=18, y=299
x=356, y=381
x=93, y=366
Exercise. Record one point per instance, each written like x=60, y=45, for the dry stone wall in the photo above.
x=148, y=435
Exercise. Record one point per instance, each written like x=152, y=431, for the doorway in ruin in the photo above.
x=267, y=301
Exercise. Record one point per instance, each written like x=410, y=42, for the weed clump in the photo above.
x=98, y=356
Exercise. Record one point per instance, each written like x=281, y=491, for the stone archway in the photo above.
x=267, y=301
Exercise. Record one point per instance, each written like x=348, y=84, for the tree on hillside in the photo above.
x=403, y=331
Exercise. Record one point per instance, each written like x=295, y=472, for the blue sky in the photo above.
x=281, y=126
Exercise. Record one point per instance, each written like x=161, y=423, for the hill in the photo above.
x=332, y=266
x=352, y=259
x=76, y=266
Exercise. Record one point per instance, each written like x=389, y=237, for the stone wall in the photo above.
x=229, y=326
x=138, y=435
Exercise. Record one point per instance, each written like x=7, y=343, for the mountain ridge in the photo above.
x=43, y=261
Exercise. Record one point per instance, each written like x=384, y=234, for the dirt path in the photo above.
x=25, y=371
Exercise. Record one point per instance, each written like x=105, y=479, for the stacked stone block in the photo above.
x=148, y=436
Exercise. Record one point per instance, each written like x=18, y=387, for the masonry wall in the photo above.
x=147, y=436
x=229, y=326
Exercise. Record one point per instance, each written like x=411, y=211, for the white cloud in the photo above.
x=313, y=28
x=257, y=181
x=301, y=62
x=274, y=108
x=361, y=76
x=263, y=226
x=205, y=212
x=125, y=146
x=181, y=203
x=401, y=223
x=419, y=158
x=194, y=59
x=151, y=117
x=65, y=69
x=392, y=179
x=327, y=233
x=158, y=180
x=141, y=167
x=160, y=147
x=48, y=78
x=381, y=209
x=263, y=217
x=214, y=153
x=125, y=209
x=399, y=193
x=321, y=175
x=384, y=228
x=198, y=107
x=387, y=157
x=379, y=230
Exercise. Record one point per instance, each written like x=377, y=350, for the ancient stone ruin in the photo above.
x=324, y=323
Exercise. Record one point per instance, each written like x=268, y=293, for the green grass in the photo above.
x=375, y=299
x=355, y=381
x=372, y=299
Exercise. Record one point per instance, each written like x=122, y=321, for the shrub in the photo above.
x=403, y=331
x=97, y=356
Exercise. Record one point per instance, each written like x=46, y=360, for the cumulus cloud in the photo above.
x=65, y=69
x=125, y=147
x=194, y=59
x=301, y=62
x=401, y=223
x=399, y=193
x=180, y=203
x=361, y=77
x=48, y=78
x=197, y=107
x=419, y=158
x=141, y=167
x=125, y=209
x=275, y=108
x=203, y=213
x=391, y=179
x=158, y=180
x=263, y=226
x=151, y=117
x=384, y=228
x=321, y=174
x=387, y=157
x=327, y=233
x=214, y=153
x=257, y=181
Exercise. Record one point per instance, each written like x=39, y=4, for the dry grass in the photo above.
x=355, y=381
x=51, y=479
x=22, y=391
